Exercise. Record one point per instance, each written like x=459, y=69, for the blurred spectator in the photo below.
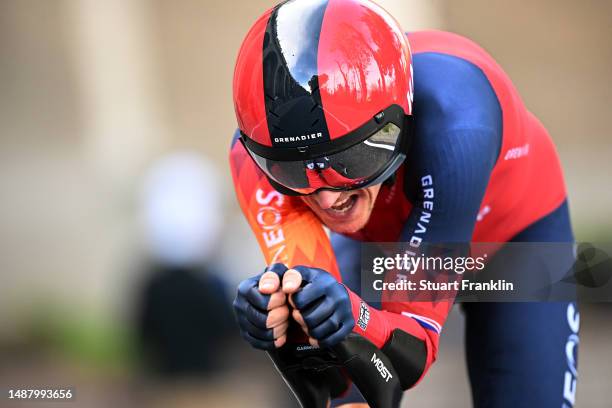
x=184, y=315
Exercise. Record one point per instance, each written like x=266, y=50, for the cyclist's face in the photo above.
x=344, y=211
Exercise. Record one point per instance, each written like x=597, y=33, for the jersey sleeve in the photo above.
x=286, y=230
x=458, y=138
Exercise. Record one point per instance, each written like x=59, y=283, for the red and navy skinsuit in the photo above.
x=480, y=168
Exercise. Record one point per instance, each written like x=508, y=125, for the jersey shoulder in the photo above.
x=452, y=93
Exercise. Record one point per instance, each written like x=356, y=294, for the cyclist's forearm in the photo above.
x=409, y=346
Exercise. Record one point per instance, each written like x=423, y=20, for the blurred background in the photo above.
x=107, y=107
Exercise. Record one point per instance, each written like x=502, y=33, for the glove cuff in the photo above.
x=368, y=322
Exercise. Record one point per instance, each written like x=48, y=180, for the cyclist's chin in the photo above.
x=349, y=226
x=352, y=216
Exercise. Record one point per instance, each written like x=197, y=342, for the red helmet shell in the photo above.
x=312, y=71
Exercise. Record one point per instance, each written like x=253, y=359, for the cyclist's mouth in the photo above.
x=343, y=207
x=349, y=212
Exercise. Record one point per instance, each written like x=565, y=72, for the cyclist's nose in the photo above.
x=325, y=198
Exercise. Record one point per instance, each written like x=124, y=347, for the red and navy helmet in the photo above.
x=323, y=94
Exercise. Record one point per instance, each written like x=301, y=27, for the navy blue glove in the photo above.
x=324, y=305
x=251, y=308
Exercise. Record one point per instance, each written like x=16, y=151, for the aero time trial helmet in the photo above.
x=323, y=95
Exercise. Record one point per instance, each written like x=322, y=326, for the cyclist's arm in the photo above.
x=286, y=230
x=459, y=135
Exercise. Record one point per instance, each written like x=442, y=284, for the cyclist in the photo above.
x=346, y=122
